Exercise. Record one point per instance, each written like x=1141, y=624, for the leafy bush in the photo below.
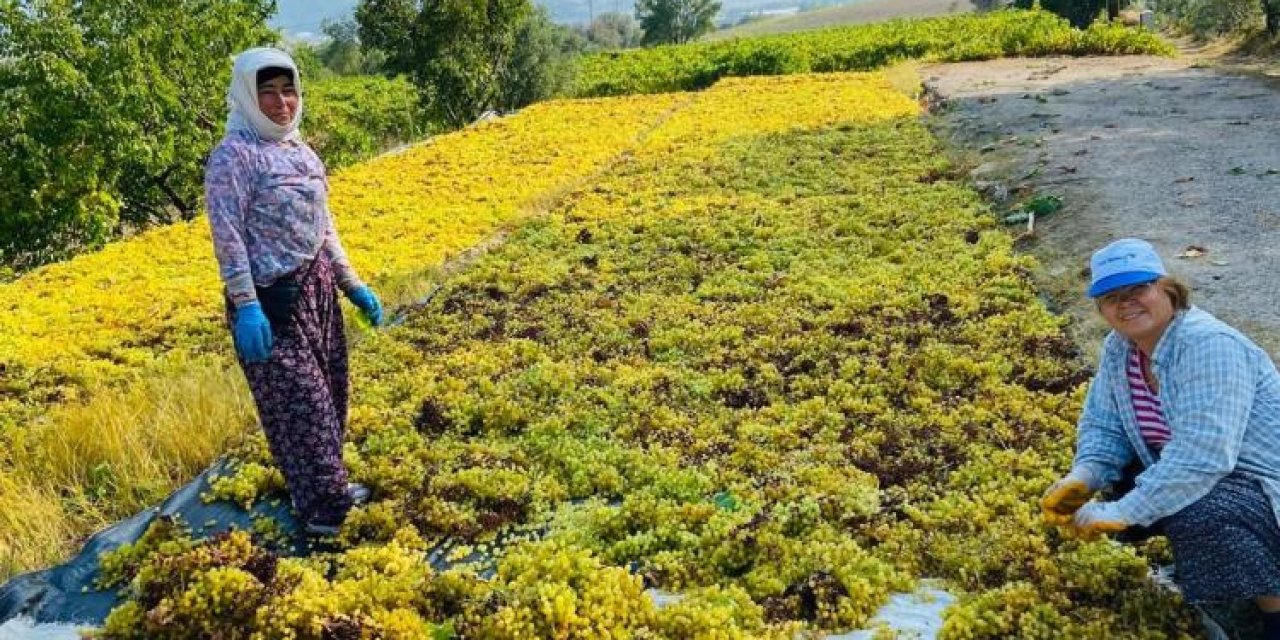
x=1213, y=17
x=1081, y=13
x=353, y=118
x=768, y=59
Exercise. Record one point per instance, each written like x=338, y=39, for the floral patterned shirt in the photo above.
x=268, y=209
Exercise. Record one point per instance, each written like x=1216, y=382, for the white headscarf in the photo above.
x=242, y=96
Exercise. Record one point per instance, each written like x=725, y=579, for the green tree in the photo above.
x=1080, y=12
x=457, y=52
x=675, y=21
x=343, y=53
x=307, y=56
x=1216, y=17
x=542, y=61
x=614, y=31
x=109, y=109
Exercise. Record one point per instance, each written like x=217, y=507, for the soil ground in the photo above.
x=1183, y=152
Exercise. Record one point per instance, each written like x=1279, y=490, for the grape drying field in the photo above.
x=758, y=345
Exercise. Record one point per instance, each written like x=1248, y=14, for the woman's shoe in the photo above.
x=359, y=493
x=322, y=529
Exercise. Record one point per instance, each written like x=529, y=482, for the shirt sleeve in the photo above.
x=348, y=281
x=1101, y=444
x=1213, y=388
x=228, y=181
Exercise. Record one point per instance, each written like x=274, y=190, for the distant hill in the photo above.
x=858, y=12
x=303, y=18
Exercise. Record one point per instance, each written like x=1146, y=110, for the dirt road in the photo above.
x=1184, y=154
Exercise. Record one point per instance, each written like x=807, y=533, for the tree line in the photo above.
x=1201, y=17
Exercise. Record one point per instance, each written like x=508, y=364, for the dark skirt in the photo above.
x=301, y=394
x=1226, y=545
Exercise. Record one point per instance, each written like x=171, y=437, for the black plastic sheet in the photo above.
x=67, y=593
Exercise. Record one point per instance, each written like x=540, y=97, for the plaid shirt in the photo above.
x=1220, y=396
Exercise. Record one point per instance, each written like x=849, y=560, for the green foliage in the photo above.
x=307, y=57
x=1080, y=12
x=542, y=63
x=860, y=48
x=351, y=118
x=1214, y=17
x=109, y=109
x=614, y=31
x=343, y=54
x=456, y=52
x=675, y=21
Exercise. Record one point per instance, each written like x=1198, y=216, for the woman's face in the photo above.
x=1139, y=312
x=278, y=99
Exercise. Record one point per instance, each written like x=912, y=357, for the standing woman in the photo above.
x=280, y=260
x=1194, y=405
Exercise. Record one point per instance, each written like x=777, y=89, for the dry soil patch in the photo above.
x=1178, y=152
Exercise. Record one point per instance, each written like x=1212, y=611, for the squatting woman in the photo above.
x=1194, y=406
x=282, y=265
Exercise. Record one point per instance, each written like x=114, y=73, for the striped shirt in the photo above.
x=1146, y=404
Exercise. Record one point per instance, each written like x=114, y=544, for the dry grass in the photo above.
x=125, y=448
x=35, y=528
x=905, y=78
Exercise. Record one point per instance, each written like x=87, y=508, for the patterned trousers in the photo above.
x=301, y=393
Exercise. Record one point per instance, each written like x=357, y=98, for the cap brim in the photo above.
x=1115, y=281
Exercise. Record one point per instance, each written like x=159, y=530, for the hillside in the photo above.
x=863, y=12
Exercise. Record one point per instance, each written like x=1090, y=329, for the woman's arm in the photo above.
x=1101, y=444
x=1209, y=396
x=228, y=184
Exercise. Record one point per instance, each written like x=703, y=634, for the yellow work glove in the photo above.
x=1097, y=518
x=1067, y=495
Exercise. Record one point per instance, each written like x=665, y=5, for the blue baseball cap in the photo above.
x=1122, y=263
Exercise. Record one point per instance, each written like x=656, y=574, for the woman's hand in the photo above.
x=1097, y=518
x=1067, y=495
x=252, y=333
x=367, y=302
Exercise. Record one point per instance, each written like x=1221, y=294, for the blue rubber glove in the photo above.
x=252, y=333
x=365, y=300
